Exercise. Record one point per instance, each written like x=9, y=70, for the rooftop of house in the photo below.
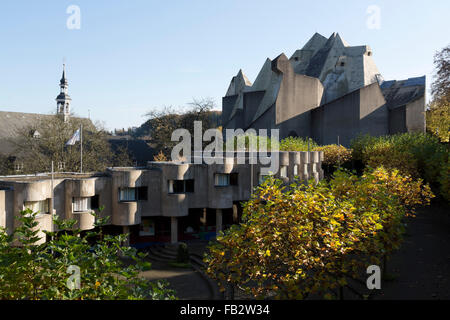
x=11, y=123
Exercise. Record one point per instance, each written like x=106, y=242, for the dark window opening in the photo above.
x=181, y=186
x=189, y=185
x=178, y=186
x=142, y=193
x=342, y=64
x=95, y=202
x=234, y=179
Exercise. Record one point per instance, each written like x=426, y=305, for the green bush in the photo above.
x=297, y=144
x=445, y=181
x=182, y=253
x=248, y=141
x=31, y=271
x=415, y=154
x=335, y=155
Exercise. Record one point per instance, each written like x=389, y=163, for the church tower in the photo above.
x=63, y=100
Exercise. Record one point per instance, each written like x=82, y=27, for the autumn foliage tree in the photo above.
x=438, y=115
x=301, y=240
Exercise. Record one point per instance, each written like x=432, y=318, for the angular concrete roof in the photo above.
x=400, y=92
x=237, y=85
x=341, y=68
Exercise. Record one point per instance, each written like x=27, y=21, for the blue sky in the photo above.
x=132, y=56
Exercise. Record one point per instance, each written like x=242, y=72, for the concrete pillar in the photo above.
x=126, y=230
x=218, y=220
x=235, y=214
x=173, y=230
x=203, y=218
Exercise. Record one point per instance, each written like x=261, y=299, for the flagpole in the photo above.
x=53, y=198
x=81, y=147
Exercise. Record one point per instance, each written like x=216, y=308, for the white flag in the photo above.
x=75, y=138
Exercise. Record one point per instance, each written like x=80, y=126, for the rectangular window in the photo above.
x=127, y=194
x=283, y=172
x=133, y=194
x=221, y=180
x=81, y=204
x=147, y=227
x=38, y=206
x=95, y=202
x=181, y=186
x=234, y=179
x=142, y=193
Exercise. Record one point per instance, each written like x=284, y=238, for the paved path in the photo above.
x=187, y=283
x=422, y=264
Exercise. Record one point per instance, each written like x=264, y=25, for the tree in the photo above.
x=37, y=152
x=299, y=240
x=121, y=158
x=29, y=271
x=438, y=115
x=163, y=122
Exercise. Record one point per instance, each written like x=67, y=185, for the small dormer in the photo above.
x=341, y=62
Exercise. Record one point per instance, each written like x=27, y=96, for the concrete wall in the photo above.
x=363, y=111
x=415, y=116
x=298, y=93
x=397, y=120
x=337, y=118
x=373, y=112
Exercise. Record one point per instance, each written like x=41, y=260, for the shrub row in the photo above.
x=300, y=240
x=414, y=154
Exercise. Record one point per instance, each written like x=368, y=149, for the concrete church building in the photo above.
x=325, y=90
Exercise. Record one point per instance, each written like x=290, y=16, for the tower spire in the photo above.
x=63, y=78
x=63, y=100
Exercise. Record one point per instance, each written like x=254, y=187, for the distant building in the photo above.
x=325, y=90
x=63, y=100
x=13, y=123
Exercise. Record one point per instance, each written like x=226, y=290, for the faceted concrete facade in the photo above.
x=326, y=89
x=155, y=193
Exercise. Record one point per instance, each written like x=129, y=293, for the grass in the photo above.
x=184, y=265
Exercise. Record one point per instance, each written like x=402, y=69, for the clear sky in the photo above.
x=131, y=56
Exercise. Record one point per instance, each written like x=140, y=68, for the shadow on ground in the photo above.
x=188, y=284
x=421, y=268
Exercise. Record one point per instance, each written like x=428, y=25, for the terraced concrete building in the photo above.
x=161, y=202
x=325, y=90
